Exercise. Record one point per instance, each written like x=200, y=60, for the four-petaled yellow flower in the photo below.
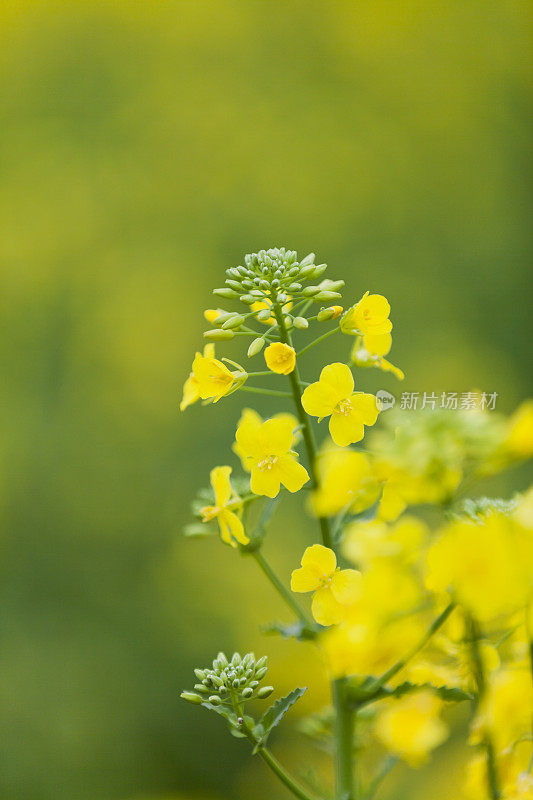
x=411, y=727
x=334, y=589
x=266, y=450
x=280, y=358
x=190, y=388
x=334, y=395
x=212, y=378
x=370, y=316
x=231, y=527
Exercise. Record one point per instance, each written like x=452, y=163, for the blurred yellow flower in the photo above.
x=488, y=566
x=513, y=773
x=280, y=358
x=333, y=588
x=266, y=450
x=369, y=316
x=333, y=396
x=519, y=440
x=366, y=542
x=231, y=527
x=210, y=314
x=506, y=709
x=346, y=479
x=191, y=392
x=411, y=726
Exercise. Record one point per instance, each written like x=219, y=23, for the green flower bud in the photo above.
x=217, y=681
x=218, y=335
x=223, y=317
x=318, y=270
x=288, y=321
x=191, y=697
x=325, y=313
x=215, y=700
x=253, y=684
x=233, y=272
x=261, y=662
x=248, y=299
x=260, y=673
x=308, y=260
x=221, y=658
x=257, y=294
x=322, y=295
x=265, y=692
x=264, y=315
x=256, y=346
x=247, y=283
x=310, y=291
x=294, y=287
x=226, y=293
x=331, y=286
x=282, y=298
x=247, y=693
x=201, y=688
x=293, y=271
x=234, y=285
x=248, y=659
x=200, y=674
x=233, y=322
x=236, y=659
x=301, y=323
x=235, y=683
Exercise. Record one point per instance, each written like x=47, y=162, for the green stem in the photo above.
x=474, y=633
x=316, y=341
x=399, y=665
x=282, y=590
x=283, y=775
x=344, y=714
x=257, y=390
x=259, y=374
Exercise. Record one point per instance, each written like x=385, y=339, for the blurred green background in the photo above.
x=144, y=148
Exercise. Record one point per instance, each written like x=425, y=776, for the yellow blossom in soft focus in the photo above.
x=191, y=391
x=231, y=527
x=262, y=305
x=266, y=450
x=280, y=358
x=369, y=316
x=512, y=766
x=411, y=726
x=212, y=378
x=333, y=588
x=488, y=566
x=333, y=396
x=365, y=542
x=252, y=420
x=506, y=709
x=519, y=439
x=346, y=479
x=369, y=351
x=523, y=513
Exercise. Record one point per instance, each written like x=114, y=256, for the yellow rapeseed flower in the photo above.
x=367, y=542
x=369, y=316
x=333, y=588
x=212, y=378
x=266, y=450
x=488, y=566
x=191, y=391
x=231, y=527
x=280, y=358
x=519, y=440
x=250, y=419
x=506, y=708
x=411, y=726
x=333, y=395
x=210, y=314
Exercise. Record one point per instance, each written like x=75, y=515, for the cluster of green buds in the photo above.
x=273, y=276
x=230, y=681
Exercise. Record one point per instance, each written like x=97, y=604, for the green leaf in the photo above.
x=277, y=711
x=451, y=694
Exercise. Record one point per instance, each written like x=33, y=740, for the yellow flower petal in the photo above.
x=320, y=559
x=317, y=400
x=325, y=609
x=346, y=428
x=346, y=586
x=264, y=482
x=377, y=344
x=221, y=485
x=280, y=358
x=276, y=436
x=291, y=473
x=304, y=580
x=365, y=406
x=236, y=529
x=190, y=393
x=339, y=378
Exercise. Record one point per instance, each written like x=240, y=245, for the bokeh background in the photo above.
x=145, y=147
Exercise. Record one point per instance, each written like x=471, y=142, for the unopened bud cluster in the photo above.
x=236, y=679
x=268, y=277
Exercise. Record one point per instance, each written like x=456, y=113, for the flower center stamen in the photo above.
x=344, y=407
x=267, y=463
